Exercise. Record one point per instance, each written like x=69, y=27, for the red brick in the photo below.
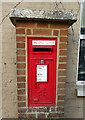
x=21, y=85
x=42, y=25
x=63, y=59
x=20, y=45
x=20, y=31
x=20, y=38
x=21, y=98
x=21, y=79
x=21, y=58
x=21, y=116
x=21, y=72
x=60, y=109
x=62, y=73
x=60, y=103
x=30, y=116
x=21, y=104
x=22, y=110
x=62, y=79
x=26, y=24
x=61, y=91
x=21, y=91
x=21, y=52
x=63, y=32
x=63, y=53
x=58, y=26
x=63, y=39
x=61, y=85
x=62, y=66
x=40, y=109
x=55, y=115
x=42, y=32
x=61, y=97
x=21, y=65
x=28, y=32
x=56, y=32
x=63, y=46
x=41, y=115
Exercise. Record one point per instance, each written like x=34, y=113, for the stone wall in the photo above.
x=0, y=62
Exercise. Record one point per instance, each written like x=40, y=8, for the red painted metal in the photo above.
x=41, y=93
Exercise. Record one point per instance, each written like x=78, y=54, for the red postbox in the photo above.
x=42, y=52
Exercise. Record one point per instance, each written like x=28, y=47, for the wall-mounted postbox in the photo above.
x=42, y=52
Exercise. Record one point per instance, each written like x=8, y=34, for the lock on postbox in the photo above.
x=41, y=52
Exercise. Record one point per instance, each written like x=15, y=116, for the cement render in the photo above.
x=73, y=104
x=0, y=63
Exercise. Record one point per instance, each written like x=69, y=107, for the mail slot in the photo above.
x=41, y=50
x=41, y=59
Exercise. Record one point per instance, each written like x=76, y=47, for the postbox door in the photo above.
x=42, y=82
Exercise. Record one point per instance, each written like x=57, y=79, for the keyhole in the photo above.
x=42, y=61
x=35, y=83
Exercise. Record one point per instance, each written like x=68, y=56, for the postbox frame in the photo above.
x=56, y=43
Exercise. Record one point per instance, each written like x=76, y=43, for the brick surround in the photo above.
x=25, y=29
